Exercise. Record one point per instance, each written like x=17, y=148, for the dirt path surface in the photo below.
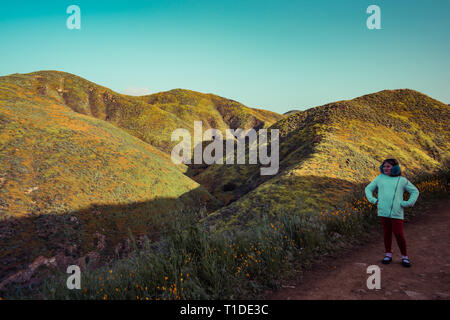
x=428, y=243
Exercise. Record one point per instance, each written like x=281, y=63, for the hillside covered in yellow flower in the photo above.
x=84, y=168
x=328, y=152
x=151, y=118
x=65, y=177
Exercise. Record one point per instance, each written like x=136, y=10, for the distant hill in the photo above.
x=151, y=118
x=291, y=112
x=326, y=150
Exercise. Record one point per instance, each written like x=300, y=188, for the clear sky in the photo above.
x=272, y=54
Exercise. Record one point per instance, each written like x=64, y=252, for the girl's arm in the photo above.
x=370, y=189
x=414, y=194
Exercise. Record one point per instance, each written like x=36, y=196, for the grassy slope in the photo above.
x=85, y=166
x=65, y=176
x=328, y=151
x=151, y=118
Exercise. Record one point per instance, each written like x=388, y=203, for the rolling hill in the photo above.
x=82, y=166
x=150, y=118
x=327, y=151
x=81, y=163
x=68, y=179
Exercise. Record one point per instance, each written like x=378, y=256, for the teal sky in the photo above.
x=276, y=54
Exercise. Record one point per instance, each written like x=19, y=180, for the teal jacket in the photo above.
x=390, y=195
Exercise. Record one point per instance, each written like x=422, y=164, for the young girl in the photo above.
x=391, y=186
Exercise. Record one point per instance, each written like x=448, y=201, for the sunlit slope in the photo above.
x=68, y=180
x=54, y=160
x=151, y=118
x=328, y=150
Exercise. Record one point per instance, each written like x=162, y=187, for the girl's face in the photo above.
x=387, y=168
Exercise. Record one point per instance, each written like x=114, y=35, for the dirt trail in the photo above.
x=428, y=244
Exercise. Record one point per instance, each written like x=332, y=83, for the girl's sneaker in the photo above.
x=386, y=260
x=406, y=263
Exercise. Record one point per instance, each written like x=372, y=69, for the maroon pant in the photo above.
x=396, y=226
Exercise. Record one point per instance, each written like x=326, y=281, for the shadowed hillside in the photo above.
x=344, y=140
x=151, y=118
x=91, y=236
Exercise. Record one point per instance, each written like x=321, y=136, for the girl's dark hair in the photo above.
x=393, y=162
